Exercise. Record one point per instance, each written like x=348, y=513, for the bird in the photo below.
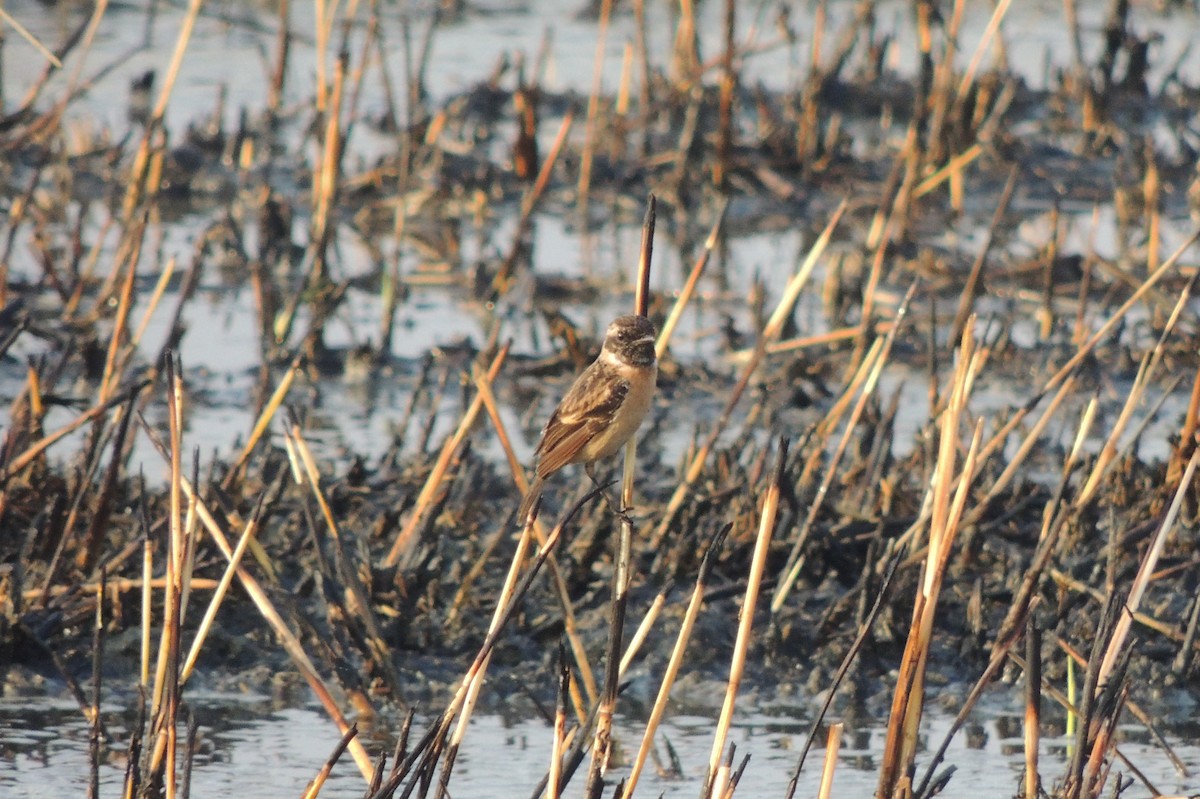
x=604, y=406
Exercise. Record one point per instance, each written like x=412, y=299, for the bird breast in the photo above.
x=628, y=417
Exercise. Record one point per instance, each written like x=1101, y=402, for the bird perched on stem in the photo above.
x=603, y=408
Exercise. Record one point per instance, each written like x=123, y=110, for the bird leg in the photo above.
x=621, y=513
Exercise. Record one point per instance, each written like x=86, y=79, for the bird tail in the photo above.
x=531, y=497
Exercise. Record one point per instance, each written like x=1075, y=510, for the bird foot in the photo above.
x=618, y=511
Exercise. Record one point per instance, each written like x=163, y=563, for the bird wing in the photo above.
x=587, y=409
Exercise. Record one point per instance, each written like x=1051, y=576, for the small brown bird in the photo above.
x=603, y=408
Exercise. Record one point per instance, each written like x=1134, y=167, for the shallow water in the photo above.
x=250, y=747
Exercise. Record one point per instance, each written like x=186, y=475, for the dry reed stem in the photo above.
x=971, y=290
x=368, y=46
x=641, y=286
x=685, y=56
x=165, y=695
x=111, y=375
x=593, y=112
x=1119, y=314
x=116, y=587
x=900, y=747
x=647, y=624
x=796, y=284
x=1023, y=450
x=1001, y=649
x=1108, y=452
x=741, y=647
x=503, y=600
x=1145, y=374
x=866, y=378
x=770, y=333
x=404, y=540
x=1073, y=709
x=1152, y=199
x=72, y=87
x=17, y=464
x=151, y=307
x=602, y=740
x=570, y=626
x=833, y=743
x=174, y=532
x=359, y=602
x=503, y=279
x=945, y=539
x=147, y=594
x=644, y=85
x=29, y=37
x=575, y=756
x=438, y=731
x=283, y=47
x=676, y=659
x=989, y=33
x=219, y=594
x=1033, y=707
x=938, y=97
x=560, y=725
x=1019, y=611
x=325, y=181
x=621, y=107
x=1149, y=561
x=95, y=731
x=129, y=250
x=953, y=168
x=264, y=420
x=160, y=287
x=190, y=540
x=321, y=34
x=314, y=787
x=843, y=669
x=998, y=439
x=727, y=86
x=1074, y=656
x=262, y=601
x=689, y=286
x=142, y=160
x=1187, y=433
x=804, y=342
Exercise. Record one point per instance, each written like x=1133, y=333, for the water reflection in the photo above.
x=255, y=747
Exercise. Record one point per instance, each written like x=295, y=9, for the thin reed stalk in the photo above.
x=219, y=594
x=318, y=782
x=1033, y=707
x=714, y=786
x=593, y=114
x=602, y=741
x=770, y=333
x=1116, y=645
x=503, y=600
x=689, y=286
x=424, y=759
x=425, y=499
x=571, y=627
x=900, y=747
x=290, y=642
x=676, y=660
x=833, y=743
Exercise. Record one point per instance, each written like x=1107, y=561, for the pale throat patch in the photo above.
x=611, y=358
